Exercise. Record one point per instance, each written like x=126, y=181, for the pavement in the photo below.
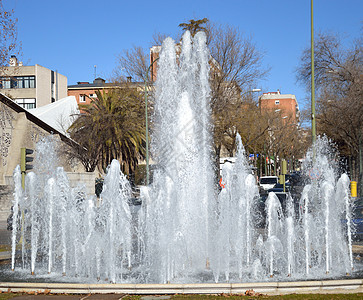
x=87, y=297
x=70, y=297
x=151, y=291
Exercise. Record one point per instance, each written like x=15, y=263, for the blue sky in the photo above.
x=73, y=36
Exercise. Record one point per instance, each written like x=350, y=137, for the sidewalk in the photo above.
x=72, y=297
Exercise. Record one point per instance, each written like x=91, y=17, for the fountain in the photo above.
x=185, y=231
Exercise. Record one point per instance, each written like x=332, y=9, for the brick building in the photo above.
x=285, y=104
x=84, y=91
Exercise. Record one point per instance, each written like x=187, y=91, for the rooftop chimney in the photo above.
x=13, y=61
x=99, y=81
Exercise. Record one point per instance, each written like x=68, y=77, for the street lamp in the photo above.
x=251, y=91
x=146, y=81
x=313, y=122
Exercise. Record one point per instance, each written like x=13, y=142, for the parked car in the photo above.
x=261, y=206
x=358, y=221
x=280, y=188
x=268, y=182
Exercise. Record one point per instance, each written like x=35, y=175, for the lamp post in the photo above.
x=251, y=91
x=313, y=122
x=146, y=81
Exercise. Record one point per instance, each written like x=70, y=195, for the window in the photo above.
x=268, y=180
x=277, y=102
x=17, y=82
x=5, y=82
x=92, y=95
x=27, y=103
x=24, y=82
x=82, y=98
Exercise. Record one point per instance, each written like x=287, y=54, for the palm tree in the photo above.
x=111, y=127
x=194, y=26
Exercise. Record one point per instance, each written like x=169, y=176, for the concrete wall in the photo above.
x=43, y=84
x=61, y=86
x=88, y=179
x=7, y=190
x=18, y=129
x=18, y=134
x=6, y=197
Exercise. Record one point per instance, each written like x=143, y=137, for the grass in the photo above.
x=261, y=297
x=284, y=297
x=8, y=296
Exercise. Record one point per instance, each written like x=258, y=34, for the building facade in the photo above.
x=84, y=91
x=285, y=104
x=31, y=86
x=22, y=129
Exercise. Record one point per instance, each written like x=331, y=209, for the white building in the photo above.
x=31, y=86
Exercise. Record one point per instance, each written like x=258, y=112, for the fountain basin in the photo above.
x=268, y=288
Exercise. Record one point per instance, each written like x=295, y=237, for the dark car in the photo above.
x=261, y=206
x=278, y=187
x=358, y=222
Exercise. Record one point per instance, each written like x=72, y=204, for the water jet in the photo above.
x=184, y=231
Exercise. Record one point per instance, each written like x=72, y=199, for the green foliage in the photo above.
x=111, y=127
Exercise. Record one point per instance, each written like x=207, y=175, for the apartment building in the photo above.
x=31, y=86
x=84, y=91
x=284, y=104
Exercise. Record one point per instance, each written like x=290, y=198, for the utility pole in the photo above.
x=360, y=176
x=146, y=81
x=313, y=123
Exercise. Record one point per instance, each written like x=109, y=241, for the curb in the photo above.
x=268, y=288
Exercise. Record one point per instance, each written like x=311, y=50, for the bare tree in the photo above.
x=9, y=44
x=236, y=65
x=338, y=77
x=133, y=63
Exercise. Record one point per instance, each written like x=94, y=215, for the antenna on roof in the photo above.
x=95, y=71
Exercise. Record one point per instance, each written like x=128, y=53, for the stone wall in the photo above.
x=88, y=179
x=6, y=197
x=6, y=191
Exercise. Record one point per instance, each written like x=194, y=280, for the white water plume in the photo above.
x=184, y=231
